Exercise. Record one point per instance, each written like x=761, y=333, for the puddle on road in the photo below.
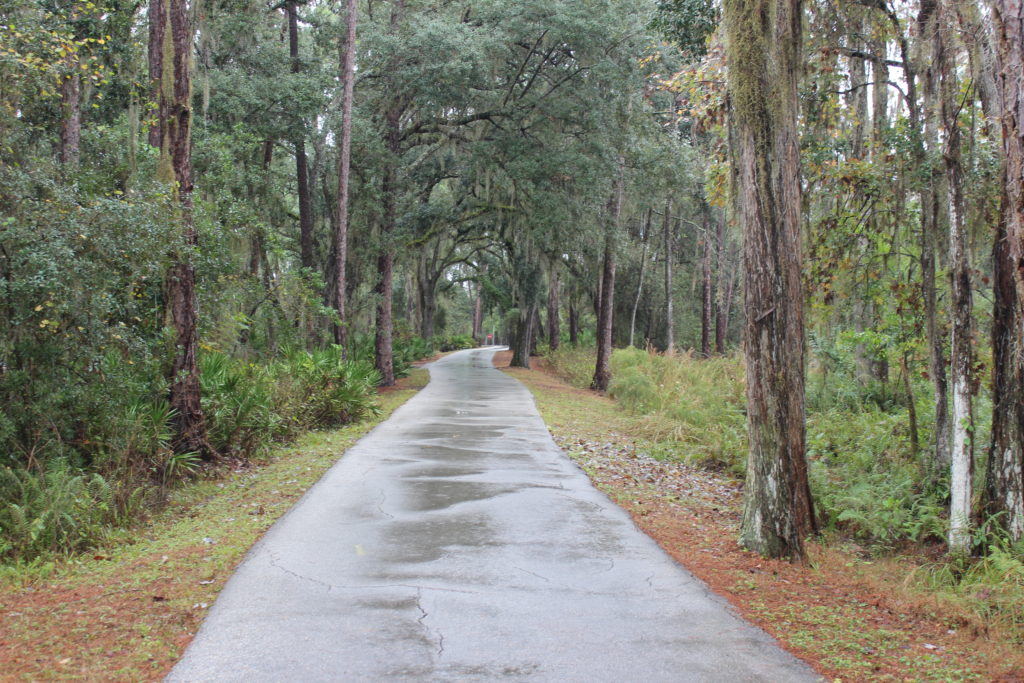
x=431, y=539
x=431, y=494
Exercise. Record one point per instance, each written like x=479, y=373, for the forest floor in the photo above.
x=852, y=616
x=126, y=613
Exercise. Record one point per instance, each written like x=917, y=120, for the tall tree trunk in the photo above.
x=71, y=114
x=961, y=356
x=1004, y=486
x=723, y=279
x=574, y=323
x=536, y=330
x=426, y=293
x=554, y=328
x=602, y=370
x=929, y=197
x=340, y=242
x=175, y=169
x=764, y=52
x=478, y=318
x=299, y=140
x=707, y=298
x=640, y=284
x=670, y=323
x=383, y=356
x=157, y=16
x=522, y=336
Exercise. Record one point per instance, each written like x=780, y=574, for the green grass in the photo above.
x=685, y=407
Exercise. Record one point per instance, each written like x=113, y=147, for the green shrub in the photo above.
x=456, y=342
x=865, y=480
x=405, y=350
x=238, y=404
x=331, y=390
x=58, y=510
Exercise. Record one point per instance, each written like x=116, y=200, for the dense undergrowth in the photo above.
x=73, y=480
x=874, y=488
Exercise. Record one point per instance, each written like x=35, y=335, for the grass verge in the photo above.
x=126, y=613
x=853, y=619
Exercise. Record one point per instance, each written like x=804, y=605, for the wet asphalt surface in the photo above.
x=456, y=542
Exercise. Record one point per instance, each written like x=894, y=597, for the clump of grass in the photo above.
x=574, y=364
x=698, y=403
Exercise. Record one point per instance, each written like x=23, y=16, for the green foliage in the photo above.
x=455, y=342
x=697, y=403
x=238, y=404
x=574, y=364
x=866, y=481
x=687, y=23
x=992, y=586
x=327, y=389
x=56, y=510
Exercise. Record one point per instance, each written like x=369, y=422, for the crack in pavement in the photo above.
x=423, y=615
x=527, y=571
x=274, y=563
x=380, y=504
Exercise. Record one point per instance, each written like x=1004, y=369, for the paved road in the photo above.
x=457, y=542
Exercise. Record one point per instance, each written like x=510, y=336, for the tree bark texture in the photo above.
x=71, y=114
x=927, y=25
x=764, y=51
x=554, y=327
x=174, y=42
x=606, y=310
x=383, y=355
x=723, y=276
x=961, y=355
x=522, y=336
x=301, y=162
x=340, y=241
x=1004, y=486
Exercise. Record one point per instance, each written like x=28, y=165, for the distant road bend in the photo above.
x=456, y=542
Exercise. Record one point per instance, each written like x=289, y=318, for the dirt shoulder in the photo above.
x=127, y=613
x=853, y=619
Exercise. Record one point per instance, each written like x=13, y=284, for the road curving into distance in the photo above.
x=456, y=542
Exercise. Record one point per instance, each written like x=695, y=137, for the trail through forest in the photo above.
x=457, y=541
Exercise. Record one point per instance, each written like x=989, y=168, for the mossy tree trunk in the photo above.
x=764, y=50
x=174, y=42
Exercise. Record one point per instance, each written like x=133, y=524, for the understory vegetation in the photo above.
x=873, y=489
x=92, y=476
